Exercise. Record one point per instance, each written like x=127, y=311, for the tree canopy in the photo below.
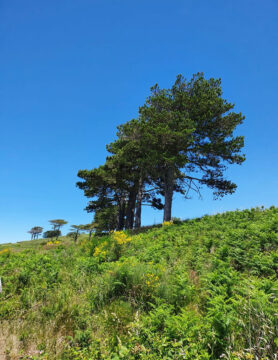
x=57, y=223
x=182, y=140
x=75, y=230
x=35, y=232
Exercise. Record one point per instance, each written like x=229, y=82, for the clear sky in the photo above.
x=71, y=71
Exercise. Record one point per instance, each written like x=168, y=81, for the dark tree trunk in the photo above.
x=121, y=214
x=139, y=204
x=130, y=209
x=168, y=190
x=90, y=234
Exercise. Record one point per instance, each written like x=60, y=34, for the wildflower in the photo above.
x=120, y=237
x=167, y=223
x=4, y=251
x=152, y=280
x=97, y=251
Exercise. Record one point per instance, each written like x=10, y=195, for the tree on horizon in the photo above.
x=35, y=232
x=89, y=228
x=75, y=230
x=56, y=225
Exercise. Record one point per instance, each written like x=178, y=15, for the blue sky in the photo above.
x=71, y=71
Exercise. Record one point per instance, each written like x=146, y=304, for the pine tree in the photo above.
x=189, y=129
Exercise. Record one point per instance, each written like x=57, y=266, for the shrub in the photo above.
x=52, y=234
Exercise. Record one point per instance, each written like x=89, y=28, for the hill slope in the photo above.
x=201, y=289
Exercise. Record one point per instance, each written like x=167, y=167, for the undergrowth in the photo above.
x=200, y=289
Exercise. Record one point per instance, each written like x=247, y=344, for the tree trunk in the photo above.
x=130, y=209
x=168, y=190
x=121, y=214
x=90, y=234
x=139, y=204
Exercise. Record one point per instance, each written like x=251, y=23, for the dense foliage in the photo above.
x=182, y=140
x=52, y=234
x=200, y=289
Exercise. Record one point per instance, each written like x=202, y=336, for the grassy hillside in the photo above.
x=200, y=289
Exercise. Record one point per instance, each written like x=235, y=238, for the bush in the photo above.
x=51, y=234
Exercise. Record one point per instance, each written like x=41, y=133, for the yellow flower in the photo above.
x=97, y=251
x=152, y=280
x=120, y=237
x=4, y=251
x=167, y=223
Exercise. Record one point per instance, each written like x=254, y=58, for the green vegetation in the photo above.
x=200, y=289
x=182, y=140
x=35, y=232
x=50, y=234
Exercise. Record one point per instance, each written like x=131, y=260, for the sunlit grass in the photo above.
x=199, y=289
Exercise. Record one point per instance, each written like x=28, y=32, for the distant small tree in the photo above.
x=71, y=234
x=35, y=232
x=38, y=231
x=75, y=229
x=57, y=224
x=50, y=234
x=89, y=228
